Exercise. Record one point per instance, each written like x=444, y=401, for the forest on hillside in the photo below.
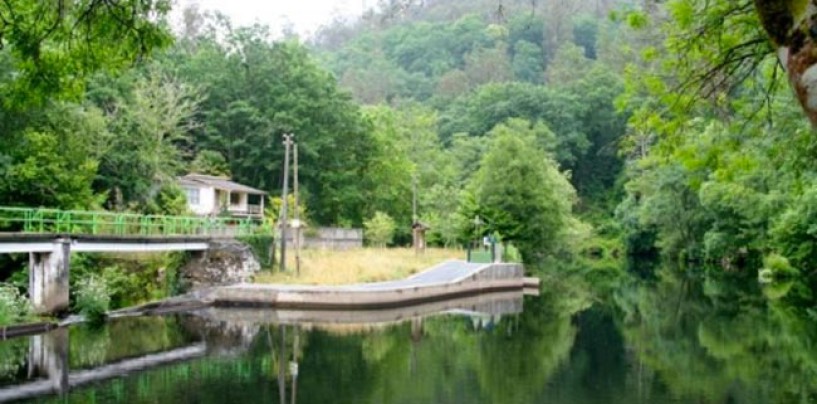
x=570, y=127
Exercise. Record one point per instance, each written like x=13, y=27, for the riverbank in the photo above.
x=364, y=265
x=447, y=280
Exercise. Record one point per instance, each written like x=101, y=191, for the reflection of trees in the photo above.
x=94, y=346
x=13, y=354
x=518, y=359
x=453, y=362
x=717, y=341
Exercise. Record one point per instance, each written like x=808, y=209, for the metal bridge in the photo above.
x=90, y=223
x=50, y=235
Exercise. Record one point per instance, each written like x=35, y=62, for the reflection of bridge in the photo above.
x=48, y=360
x=49, y=236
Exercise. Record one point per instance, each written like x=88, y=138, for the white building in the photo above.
x=209, y=195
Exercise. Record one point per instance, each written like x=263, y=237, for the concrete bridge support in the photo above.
x=48, y=278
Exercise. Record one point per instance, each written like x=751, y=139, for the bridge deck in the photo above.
x=46, y=242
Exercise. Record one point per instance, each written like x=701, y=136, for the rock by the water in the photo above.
x=226, y=262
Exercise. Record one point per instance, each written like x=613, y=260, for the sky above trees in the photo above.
x=304, y=17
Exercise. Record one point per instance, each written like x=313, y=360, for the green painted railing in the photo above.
x=40, y=220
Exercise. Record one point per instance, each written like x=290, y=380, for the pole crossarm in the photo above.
x=102, y=223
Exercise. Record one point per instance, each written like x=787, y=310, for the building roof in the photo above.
x=222, y=183
x=420, y=225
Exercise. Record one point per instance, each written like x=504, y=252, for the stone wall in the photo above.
x=226, y=262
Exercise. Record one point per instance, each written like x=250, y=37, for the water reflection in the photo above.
x=721, y=340
x=202, y=347
x=671, y=339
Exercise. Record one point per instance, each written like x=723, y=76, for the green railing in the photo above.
x=39, y=220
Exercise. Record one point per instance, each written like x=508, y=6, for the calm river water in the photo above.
x=644, y=345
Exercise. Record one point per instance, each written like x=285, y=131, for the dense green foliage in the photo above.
x=521, y=193
x=441, y=76
x=720, y=160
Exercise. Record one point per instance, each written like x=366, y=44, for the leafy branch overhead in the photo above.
x=722, y=44
x=59, y=42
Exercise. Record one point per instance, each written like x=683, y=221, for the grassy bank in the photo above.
x=325, y=267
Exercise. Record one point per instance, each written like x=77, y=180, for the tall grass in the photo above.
x=93, y=299
x=328, y=267
x=14, y=307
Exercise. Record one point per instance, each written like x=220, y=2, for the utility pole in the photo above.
x=297, y=221
x=414, y=198
x=287, y=144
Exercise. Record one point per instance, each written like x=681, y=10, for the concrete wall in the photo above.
x=491, y=278
x=329, y=238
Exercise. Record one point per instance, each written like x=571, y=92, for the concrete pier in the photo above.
x=48, y=277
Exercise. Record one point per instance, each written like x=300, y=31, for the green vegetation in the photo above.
x=93, y=298
x=13, y=306
x=379, y=230
x=522, y=193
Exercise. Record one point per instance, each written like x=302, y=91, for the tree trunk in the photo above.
x=792, y=26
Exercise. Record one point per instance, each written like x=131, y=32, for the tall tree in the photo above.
x=152, y=123
x=522, y=194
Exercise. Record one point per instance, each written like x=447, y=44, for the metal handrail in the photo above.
x=78, y=222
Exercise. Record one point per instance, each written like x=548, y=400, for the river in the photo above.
x=662, y=341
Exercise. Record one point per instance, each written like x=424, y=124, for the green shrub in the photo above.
x=93, y=298
x=511, y=254
x=380, y=229
x=14, y=307
x=262, y=246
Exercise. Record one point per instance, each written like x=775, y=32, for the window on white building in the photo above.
x=192, y=195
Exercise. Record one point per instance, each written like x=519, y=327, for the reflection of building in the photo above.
x=208, y=195
x=485, y=322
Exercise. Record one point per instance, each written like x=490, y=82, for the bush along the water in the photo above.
x=13, y=306
x=93, y=299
